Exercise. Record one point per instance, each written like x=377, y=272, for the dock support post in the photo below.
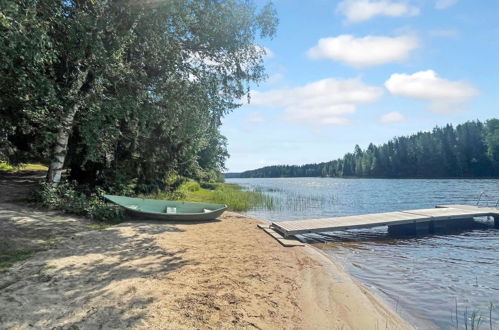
x=444, y=226
x=496, y=221
x=462, y=224
x=410, y=229
x=439, y=227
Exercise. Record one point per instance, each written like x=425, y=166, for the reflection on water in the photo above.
x=429, y=279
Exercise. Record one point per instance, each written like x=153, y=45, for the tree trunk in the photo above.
x=61, y=147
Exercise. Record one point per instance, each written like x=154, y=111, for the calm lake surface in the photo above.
x=426, y=279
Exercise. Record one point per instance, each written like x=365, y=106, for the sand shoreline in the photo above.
x=337, y=270
x=152, y=275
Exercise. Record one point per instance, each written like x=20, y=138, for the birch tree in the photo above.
x=135, y=89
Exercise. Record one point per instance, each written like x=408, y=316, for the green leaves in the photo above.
x=492, y=139
x=148, y=81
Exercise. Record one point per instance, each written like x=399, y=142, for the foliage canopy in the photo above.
x=126, y=94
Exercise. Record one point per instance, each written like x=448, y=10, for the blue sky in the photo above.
x=352, y=72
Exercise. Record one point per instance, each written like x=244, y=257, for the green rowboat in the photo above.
x=167, y=210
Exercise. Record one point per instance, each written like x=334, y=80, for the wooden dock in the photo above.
x=410, y=221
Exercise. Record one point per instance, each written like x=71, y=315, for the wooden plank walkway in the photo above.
x=491, y=210
x=284, y=241
x=440, y=213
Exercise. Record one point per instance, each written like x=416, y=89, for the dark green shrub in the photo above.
x=67, y=198
x=101, y=211
x=210, y=185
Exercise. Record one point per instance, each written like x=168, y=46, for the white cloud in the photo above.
x=445, y=96
x=392, y=118
x=366, y=51
x=324, y=102
x=363, y=10
x=443, y=4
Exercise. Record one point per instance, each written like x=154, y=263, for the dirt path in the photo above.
x=151, y=275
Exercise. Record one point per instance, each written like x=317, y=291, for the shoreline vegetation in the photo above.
x=128, y=98
x=145, y=274
x=17, y=259
x=70, y=198
x=470, y=150
x=234, y=196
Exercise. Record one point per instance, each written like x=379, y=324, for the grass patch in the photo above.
x=233, y=195
x=98, y=226
x=5, y=167
x=8, y=258
x=33, y=167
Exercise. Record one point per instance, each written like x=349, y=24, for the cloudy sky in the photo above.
x=358, y=71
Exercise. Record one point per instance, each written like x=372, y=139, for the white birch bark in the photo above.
x=61, y=147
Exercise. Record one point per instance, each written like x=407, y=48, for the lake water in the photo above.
x=427, y=279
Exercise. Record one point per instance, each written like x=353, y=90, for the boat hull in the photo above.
x=173, y=217
x=140, y=208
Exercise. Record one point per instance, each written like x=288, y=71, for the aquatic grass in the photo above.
x=234, y=196
x=491, y=307
x=242, y=200
x=297, y=201
x=474, y=319
x=8, y=258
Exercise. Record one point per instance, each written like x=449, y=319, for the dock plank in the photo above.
x=444, y=213
x=349, y=222
x=485, y=209
x=282, y=240
x=441, y=212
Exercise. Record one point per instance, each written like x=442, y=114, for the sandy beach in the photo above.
x=151, y=275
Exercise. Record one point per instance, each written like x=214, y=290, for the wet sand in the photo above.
x=151, y=275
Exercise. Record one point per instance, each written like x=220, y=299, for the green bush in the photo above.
x=67, y=198
x=98, y=210
x=190, y=186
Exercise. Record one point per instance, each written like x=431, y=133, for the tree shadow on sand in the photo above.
x=92, y=279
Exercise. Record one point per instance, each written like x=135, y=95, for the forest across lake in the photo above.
x=465, y=151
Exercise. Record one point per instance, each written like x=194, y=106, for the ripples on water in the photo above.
x=423, y=278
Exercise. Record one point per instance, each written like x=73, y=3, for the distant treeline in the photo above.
x=468, y=150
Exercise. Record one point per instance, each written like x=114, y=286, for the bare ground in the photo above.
x=151, y=275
